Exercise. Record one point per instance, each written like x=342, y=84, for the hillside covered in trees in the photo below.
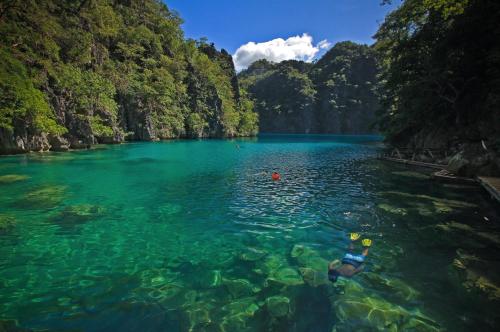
x=335, y=95
x=76, y=73
x=440, y=80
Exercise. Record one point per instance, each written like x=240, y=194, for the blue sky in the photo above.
x=233, y=23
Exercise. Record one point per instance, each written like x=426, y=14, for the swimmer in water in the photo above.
x=351, y=264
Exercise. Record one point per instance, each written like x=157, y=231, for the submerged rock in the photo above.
x=286, y=277
x=46, y=197
x=309, y=258
x=252, y=255
x=10, y=178
x=271, y=263
x=205, y=278
x=476, y=274
x=377, y=312
x=198, y=314
x=239, y=287
x=239, y=313
x=278, y=306
x=443, y=202
x=358, y=309
x=468, y=230
x=411, y=174
x=7, y=223
x=392, y=209
x=420, y=324
x=312, y=277
x=80, y=213
x=393, y=286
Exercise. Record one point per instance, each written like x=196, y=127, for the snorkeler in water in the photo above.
x=351, y=264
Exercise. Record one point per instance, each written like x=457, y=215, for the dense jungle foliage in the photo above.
x=337, y=94
x=440, y=76
x=74, y=73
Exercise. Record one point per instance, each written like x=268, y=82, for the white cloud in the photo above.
x=277, y=50
x=324, y=44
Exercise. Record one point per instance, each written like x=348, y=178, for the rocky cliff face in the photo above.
x=73, y=74
x=336, y=95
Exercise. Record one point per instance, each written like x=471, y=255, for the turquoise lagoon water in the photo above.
x=194, y=236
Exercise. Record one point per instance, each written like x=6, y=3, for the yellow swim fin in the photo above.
x=354, y=236
x=366, y=242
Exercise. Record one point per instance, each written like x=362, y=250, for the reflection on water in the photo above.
x=194, y=235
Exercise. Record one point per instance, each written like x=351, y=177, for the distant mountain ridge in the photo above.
x=336, y=95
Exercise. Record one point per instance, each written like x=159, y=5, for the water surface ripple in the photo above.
x=195, y=236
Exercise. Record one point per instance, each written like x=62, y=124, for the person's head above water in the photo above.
x=275, y=176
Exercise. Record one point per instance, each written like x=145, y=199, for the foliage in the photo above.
x=440, y=62
x=99, y=68
x=334, y=95
x=21, y=101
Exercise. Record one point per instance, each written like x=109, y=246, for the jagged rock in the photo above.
x=76, y=143
x=278, y=306
x=10, y=178
x=58, y=143
x=7, y=223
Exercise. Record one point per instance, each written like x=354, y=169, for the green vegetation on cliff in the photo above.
x=335, y=95
x=440, y=80
x=89, y=71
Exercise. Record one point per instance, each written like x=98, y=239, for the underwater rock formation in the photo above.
x=356, y=308
x=312, y=277
x=46, y=197
x=75, y=214
x=308, y=258
x=252, y=254
x=285, y=276
x=239, y=313
x=278, y=306
x=7, y=223
x=410, y=174
x=393, y=210
x=394, y=286
x=475, y=274
x=10, y=178
x=239, y=287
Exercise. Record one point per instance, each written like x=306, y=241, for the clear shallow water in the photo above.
x=193, y=235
